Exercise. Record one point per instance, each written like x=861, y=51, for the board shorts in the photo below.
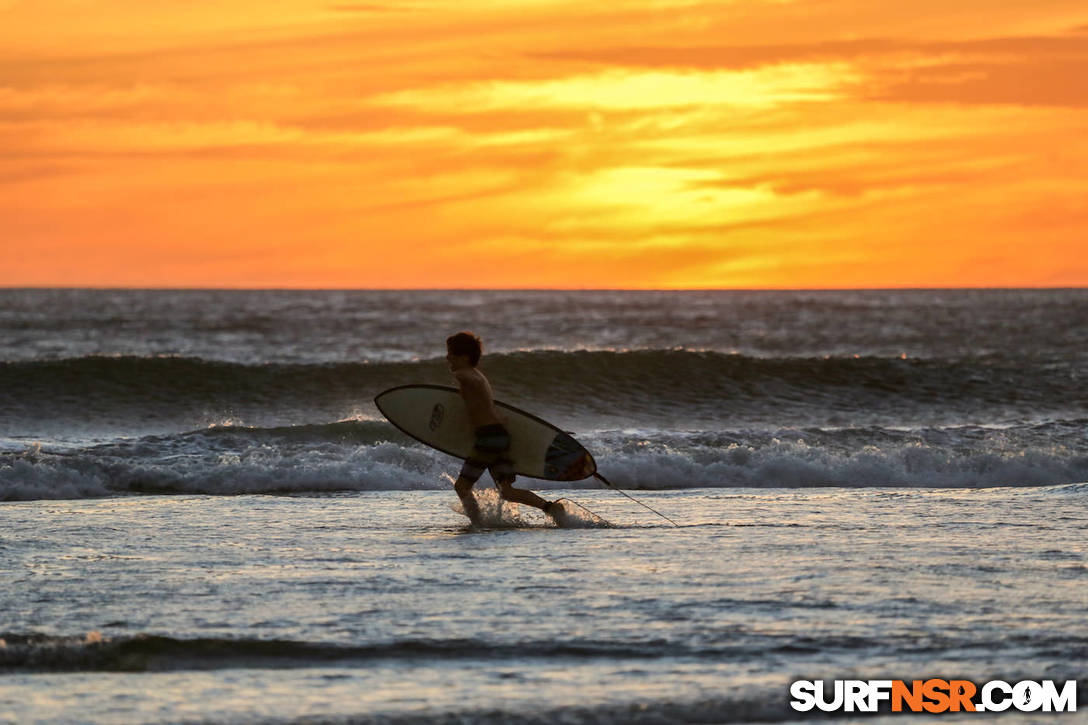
x=489, y=453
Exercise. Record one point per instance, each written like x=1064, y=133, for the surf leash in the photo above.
x=596, y=517
x=608, y=483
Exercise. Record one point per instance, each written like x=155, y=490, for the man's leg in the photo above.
x=503, y=473
x=520, y=495
x=470, y=474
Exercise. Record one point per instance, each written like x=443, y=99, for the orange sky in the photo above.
x=536, y=143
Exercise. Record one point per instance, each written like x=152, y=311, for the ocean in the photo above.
x=203, y=517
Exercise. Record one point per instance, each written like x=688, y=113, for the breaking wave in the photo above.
x=374, y=456
x=35, y=652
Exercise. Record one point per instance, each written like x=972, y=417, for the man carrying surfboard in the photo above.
x=492, y=440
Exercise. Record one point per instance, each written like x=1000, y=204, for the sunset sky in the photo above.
x=536, y=143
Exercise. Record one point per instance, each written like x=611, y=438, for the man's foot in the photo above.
x=554, y=509
x=471, y=508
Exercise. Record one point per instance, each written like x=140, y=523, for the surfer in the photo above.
x=492, y=442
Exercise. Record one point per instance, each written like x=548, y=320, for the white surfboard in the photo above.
x=436, y=415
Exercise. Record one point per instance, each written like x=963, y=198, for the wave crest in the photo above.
x=657, y=387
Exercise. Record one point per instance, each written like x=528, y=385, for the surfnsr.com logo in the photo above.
x=933, y=696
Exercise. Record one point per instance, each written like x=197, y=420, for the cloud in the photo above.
x=1043, y=70
x=728, y=57
x=1026, y=83
x=630, y=90
x=394, y=7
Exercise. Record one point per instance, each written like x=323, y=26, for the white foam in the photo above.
x=28, y=480
x=199, y=465
x=495, y=513
x=799, y=464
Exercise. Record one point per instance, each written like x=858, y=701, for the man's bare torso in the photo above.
x=479, y=400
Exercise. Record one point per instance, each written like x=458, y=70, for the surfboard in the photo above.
x=436, y=415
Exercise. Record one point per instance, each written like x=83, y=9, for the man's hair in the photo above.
x=465, y=343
